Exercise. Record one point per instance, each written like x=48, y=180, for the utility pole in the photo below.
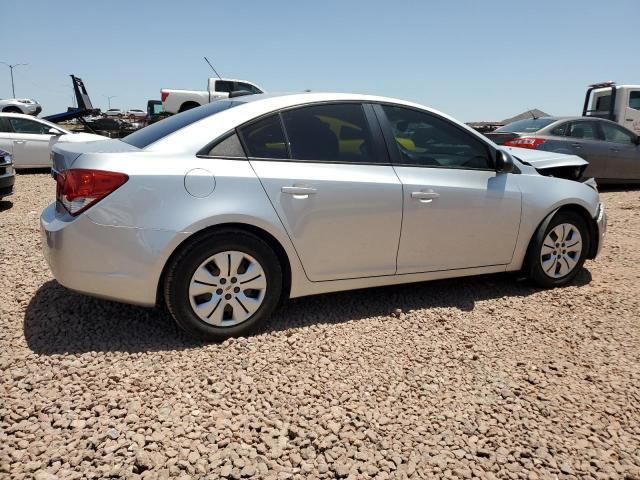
x=109, y=99
x=11, y=67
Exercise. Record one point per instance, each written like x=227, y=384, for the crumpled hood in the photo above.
x=542, y=159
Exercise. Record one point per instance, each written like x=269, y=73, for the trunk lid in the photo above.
x=65, y=154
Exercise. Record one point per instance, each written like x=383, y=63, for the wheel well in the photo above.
x=12, y=110
x=591, y=224
x=258, y=232
x=584, y=214
x=188, y=106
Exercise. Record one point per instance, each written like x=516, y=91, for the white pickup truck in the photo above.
x=175, y=101
x=620, y=103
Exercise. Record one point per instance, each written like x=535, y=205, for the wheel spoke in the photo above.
x=547, y=250
x=203, y=276
x=197, y=288
x=205, y=309
x=547, y=265
x=235, y=259
x=217, y=314
x=248, y=304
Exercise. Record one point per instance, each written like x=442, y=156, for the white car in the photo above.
x=113, y=112
x=20, y=105
x=136, y=114
x=30, y=139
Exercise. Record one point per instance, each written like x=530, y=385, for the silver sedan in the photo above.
x=223, y=211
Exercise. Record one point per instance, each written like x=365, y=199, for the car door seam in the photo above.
x=401, y=217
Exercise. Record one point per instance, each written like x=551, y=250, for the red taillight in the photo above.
x=163, y=95
x=525, y=142
x=78, y=189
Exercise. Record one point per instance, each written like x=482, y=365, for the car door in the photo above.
x=458, y=212
x=6, y=135
x=337, y=199
x=623, y=161
x=31, y=143
x=631, y=114
x=585, y=140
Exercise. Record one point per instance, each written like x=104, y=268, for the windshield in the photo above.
x=148, y=135
x=527, y=126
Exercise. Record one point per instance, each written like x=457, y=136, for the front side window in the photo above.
x=616, y=134
x=426, y=140
x=21, y=125
x=634, y=100
x=330, y=133
x=585, y=130
x=265, y=138
x=5, y=127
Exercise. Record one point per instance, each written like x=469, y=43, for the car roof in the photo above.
x=249, y=107
x=31, y=117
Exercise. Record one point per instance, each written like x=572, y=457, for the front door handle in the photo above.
x=19, y=142
x=299, y=192
x=425, y=196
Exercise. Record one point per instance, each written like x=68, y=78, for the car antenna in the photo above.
x=214, y=70
x=533, y=114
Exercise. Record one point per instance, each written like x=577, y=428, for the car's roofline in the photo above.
x=31, y=117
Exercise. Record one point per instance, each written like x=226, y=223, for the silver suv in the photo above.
x=223, y=211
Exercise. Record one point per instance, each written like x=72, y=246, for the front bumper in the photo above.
x=118, y=263
x=601, y=222
x=7, y=179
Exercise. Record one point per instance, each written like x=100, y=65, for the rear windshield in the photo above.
x=526, y=126
x=148, y=135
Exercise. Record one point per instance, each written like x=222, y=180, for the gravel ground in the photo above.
x=476, y=378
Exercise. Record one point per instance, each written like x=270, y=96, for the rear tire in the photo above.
x=223, y=285
x=559, y=250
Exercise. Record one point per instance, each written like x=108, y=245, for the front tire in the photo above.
x=559, y=250
x=223, y=285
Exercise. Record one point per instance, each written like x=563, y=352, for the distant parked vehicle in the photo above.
x=618, y=103
x=135, y=114
x=224, y=211
x=175, y=101
x=114, y=112
x=7, y=174
x=30, y=139
x=20, y=105
x=613, y=152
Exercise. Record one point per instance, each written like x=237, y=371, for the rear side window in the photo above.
x=148, y=135
x=224, y=86
x=265, y=138
x=586, y=130
x=560, y=130
x=4, y=125
x=329, y=133
x=634, y=100
x=229, y=147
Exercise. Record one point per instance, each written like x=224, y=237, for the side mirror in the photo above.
x=55, y=131
x=504, y=162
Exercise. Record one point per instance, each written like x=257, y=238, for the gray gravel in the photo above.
x=476, y=378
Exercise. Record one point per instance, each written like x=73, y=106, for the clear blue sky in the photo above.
x=476, y=60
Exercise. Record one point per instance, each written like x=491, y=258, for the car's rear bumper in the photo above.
x=118, y=263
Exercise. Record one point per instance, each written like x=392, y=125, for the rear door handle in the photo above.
x=19, y=142
x=425, y=196
x=302, y=192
